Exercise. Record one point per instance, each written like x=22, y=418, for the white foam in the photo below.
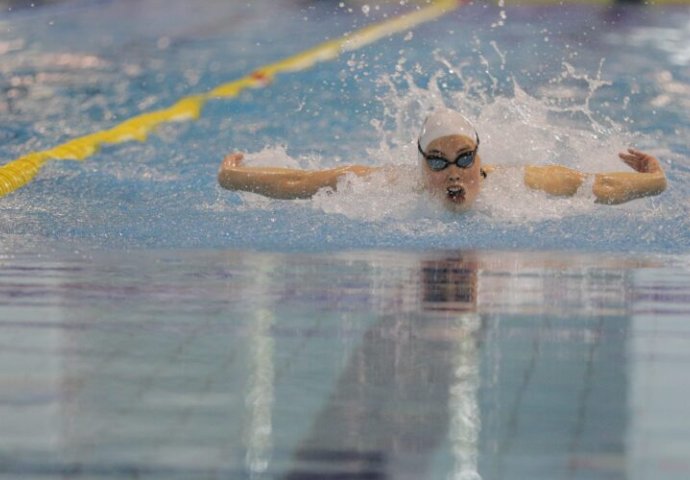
x=515, y=129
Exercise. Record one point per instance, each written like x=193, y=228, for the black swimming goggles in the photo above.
x=438, y=163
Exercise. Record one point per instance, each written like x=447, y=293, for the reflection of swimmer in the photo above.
x=451, y=171
x=410, y=385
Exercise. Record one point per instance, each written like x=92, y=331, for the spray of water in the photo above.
x=557, y=125
x=516, y=129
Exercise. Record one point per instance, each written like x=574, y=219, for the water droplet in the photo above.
x=163, y=43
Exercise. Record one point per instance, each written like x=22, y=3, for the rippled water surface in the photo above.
x=350, y=365
x=571, y=85
x=155, y=326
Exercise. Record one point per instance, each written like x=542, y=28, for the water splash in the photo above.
x=516, y=128
x=164, y=194
x=561, y=126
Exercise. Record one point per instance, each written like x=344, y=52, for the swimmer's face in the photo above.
x=456, y=187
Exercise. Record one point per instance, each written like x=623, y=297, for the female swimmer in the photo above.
x=452, y=171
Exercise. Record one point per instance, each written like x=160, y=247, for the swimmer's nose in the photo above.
x=454, y=172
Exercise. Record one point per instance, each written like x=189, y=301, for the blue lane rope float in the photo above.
x=17, y=173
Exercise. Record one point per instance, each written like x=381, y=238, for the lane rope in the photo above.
x=19, y=172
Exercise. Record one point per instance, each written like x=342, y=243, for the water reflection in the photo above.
x=503, y=355
x=412, y=380
x=359, y=365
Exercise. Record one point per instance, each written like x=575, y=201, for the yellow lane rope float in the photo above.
x=21, y=171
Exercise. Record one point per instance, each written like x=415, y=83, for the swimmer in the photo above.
x=452, y=171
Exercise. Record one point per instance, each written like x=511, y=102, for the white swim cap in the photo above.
x=444, y=122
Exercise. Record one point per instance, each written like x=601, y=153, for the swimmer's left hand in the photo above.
x=640, y=161
x=232, y=160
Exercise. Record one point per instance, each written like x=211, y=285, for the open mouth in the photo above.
x=456, y=194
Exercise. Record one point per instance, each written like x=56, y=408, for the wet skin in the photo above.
x=457, y=188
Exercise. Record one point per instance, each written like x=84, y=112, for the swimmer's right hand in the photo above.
x=232, y=160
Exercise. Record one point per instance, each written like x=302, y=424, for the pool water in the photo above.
x=582, y=84
x=376, y=364
x=157, y=326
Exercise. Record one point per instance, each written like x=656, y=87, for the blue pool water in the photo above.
x=376, y=364
x=581, y=84
x=153, y=325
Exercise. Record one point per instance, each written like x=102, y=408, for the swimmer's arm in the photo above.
x=609, y=188
x=552, y=179
x=618, y=187
x=282, y=183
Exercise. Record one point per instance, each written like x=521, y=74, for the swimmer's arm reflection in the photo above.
x=282, y=183
x=609, y=188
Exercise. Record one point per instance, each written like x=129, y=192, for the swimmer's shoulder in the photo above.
x=394, y=172
x=401, y=176
x=487, y=170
